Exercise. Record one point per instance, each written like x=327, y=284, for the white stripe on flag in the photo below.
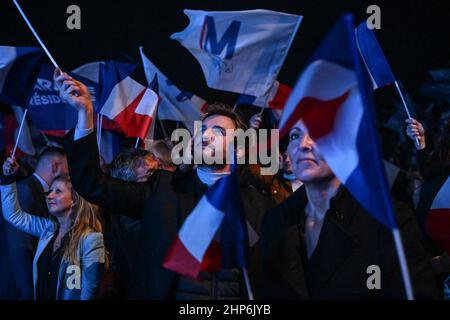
x=319, y=81
x=338, y=147
x=200, y=227
x=148, y=103
x=122, y=95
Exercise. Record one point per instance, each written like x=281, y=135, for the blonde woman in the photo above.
x=70, y=258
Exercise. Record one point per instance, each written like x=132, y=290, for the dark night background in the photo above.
x=414, y=34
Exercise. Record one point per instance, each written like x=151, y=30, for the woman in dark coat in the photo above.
x=321, y=244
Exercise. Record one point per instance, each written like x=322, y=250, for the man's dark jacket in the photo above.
x=161, y=204
x=350, y=241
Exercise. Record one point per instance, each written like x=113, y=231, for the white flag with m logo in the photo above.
x=239, y=51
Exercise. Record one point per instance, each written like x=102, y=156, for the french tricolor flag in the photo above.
x=175, y=104
x=200, y=246
x=437, y=224
x=19, y=69
x=333, y=99
x=125, y=100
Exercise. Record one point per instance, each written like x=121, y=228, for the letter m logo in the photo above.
x=210, y=43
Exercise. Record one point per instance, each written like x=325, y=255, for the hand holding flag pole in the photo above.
x=376, y=64
x=37, y=37
x=397, y=87
x=49, y=56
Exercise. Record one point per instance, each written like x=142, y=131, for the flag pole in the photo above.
x=47, y=142
x=261, y=111
x=247, y=284
x=399, y=91
x=98, y=117
x=36, y=35
x=99, y=141
x=18, y=134
x=137, y=143
x=403, y=264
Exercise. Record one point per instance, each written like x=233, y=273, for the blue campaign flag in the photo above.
x=376, y=63
x=46, y=110
x=19, y=69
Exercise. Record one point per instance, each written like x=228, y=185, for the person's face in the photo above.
x=59, y=198
x=145, y=170
x=286, y=165
x=307, y=162
x=215, y=142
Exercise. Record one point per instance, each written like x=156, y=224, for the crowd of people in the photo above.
x=76, y=228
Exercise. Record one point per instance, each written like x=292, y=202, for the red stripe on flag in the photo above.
x=437, y=227
x=204, y=107
x=278, y=102
x=179, y=260
x=211, y=260
x=55, y=133
x=134, y=124
x=10, y=126
x=108, y=124
x=202, y=34
x=318, y=115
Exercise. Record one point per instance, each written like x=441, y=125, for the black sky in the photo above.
x=415, y=34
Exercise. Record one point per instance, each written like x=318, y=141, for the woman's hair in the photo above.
x=85, y=219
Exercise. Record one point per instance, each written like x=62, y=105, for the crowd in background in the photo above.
x=108, y=247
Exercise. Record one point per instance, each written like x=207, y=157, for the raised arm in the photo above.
x=12, y=212
x=82, y=154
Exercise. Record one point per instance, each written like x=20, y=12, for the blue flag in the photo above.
x=19, y=69
x=376, y=63
x=46, y=110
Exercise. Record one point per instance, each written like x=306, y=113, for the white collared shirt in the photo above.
x=44, y=184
